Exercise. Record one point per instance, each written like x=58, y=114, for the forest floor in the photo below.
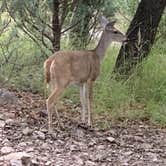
x=24, y=139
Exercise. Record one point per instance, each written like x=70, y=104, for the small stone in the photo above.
x=6, y=150
x=153, y=156
x=44, y=130
x=138, y=139
x=30, y=149
x=24, y=124
x=78, y=159
x=90, y=163
x=2, y=116
x=110, y=139
x=146, y=146
x=9, y=121
x=40, y=135
x=74, y=148
x=6, y=142
x=14, y=156
x=92, y=143
x=15, y=162
x=2, y=123
x=128, y=153
x=100, y=147
x=22, y=144
x=48, y=163
x=27, y=131
x=45, y=146
x=10, y=115
x=7, y=97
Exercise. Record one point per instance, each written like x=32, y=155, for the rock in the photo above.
x=30, y=149
x=90, y=163
x=48, y=163
x=101, y=147
x=2, y=123
x=22, y=144
x=9, y=122
x=45, y=146
x=16, y=162
x=128, y=153
x=92, y=143
x=40, y=135
x=6, y=150
x=7, y=97
x=139, y=139
x=74, y=148
x=27, y=131
x=146, y=146
x=110, y=139
x=24, y=124
x=44, y=130
x=10, y=115
x=14, y=156
x=6, y=142
x=153, y=156
x=2, y=116
x=78, y=159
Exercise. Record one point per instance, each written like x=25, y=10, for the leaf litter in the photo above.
x=24, y=139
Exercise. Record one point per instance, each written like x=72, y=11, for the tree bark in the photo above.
x=141, y=35
x=56, y=27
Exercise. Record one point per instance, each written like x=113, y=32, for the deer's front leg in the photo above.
x=83, y=101
x=89, y=101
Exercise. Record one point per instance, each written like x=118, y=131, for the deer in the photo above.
x=80, y=67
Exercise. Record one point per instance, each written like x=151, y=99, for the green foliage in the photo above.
x=127, y=8
x=143, y=95
x=109, y=93
x=156, y=111
x=87, y=13
x=21, y=64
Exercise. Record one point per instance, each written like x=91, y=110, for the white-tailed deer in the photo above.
x=78, y=67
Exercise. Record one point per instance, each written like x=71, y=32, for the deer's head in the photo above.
x=110, y=31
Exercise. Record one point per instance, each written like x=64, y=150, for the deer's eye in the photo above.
x=115, y=32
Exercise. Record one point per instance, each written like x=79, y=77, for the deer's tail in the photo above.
x=47, y=65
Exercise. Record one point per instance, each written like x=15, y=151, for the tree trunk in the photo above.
x=56, y=27
x=141, y=35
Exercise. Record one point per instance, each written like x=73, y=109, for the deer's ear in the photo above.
x=103, y=21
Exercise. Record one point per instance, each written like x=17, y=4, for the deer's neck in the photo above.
x=102, y=46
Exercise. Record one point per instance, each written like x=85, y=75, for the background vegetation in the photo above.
x=141, y=96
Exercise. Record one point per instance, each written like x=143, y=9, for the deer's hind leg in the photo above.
x=50, y=102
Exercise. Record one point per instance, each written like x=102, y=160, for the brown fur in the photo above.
x=47, y=65
x=67, y=67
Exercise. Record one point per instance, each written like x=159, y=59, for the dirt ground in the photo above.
x=24, y=139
